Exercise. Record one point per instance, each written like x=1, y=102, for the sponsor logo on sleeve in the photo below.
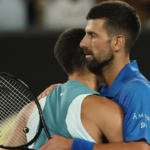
x=63, y=93
x=143, y=125
x=138, y=116
x=135, y=116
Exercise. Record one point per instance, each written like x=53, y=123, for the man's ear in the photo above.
x=117, y=43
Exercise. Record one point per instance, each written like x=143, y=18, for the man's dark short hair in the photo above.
x=120, y=18
x=68, y=52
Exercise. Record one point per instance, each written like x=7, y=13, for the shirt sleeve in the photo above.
x=136, y=124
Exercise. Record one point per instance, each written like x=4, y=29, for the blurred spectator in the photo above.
x=56, y=14
x=62, y=14
x=13, y=15
x=34, y=13
x=31, y=12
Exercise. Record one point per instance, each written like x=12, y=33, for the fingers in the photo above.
x=40, y=96
x=46, y=146
x=54, y=136
x=48, y=91
x=43, y=148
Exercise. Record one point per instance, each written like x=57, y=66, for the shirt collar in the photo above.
x=122, y=76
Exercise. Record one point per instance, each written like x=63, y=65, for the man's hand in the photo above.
x=58, y=143
x=48, y=91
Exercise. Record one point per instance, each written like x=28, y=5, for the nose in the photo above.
x=84, y=43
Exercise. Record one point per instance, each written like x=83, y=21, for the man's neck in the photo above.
x=112, y=72
x=89, y=79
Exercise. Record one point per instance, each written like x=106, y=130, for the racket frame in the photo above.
x=42, y=121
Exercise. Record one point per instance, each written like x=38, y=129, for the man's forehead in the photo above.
x=94, y=25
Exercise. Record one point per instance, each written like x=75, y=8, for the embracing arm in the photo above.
x=111, y=125
x=61, y=143
x=135, y=135
x=139, y=145
x=100, y=116
x=17, y=136
x=48, y=91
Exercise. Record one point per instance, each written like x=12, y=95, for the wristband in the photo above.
x=80, y=144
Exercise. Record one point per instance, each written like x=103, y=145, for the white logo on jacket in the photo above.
x=63, y=92
x=143, y=125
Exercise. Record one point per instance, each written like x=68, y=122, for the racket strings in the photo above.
x=8, y=129
x=9, y=121
x=15, y=95
x=16, y=103
x=13, y=98
x=16, y=89
x=16, y=143
x=20, y=129
x=9, y=112
x=20, y=139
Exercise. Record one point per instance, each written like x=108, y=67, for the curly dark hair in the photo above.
x=68, y=52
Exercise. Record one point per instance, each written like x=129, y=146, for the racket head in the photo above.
x=17, y=106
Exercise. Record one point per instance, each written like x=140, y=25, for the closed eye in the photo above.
x=91, y=34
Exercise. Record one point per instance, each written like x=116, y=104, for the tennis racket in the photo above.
x=21, y=119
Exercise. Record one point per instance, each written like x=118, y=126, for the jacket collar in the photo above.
x=122, y=76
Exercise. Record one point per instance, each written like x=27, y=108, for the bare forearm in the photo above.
x=140, y=145
x=61, y=143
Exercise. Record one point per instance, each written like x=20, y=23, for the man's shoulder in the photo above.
x=134, y=90
x=100, y=104
x=101, y=110
x=76, y=88
x=136, y=85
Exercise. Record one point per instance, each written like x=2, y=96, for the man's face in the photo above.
x=96, y=46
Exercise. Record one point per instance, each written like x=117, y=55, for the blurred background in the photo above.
x=30, y=28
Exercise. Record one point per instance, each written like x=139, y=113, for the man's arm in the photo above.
x=61, y=143
x=48, y=91
x=140, y=145
x=101, y=116
x=17, y=136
